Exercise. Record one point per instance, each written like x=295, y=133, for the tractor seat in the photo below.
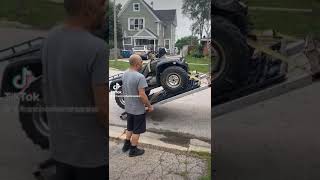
x=147, y=70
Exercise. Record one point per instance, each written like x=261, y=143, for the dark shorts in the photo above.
x=68, y=172
x=136, y=123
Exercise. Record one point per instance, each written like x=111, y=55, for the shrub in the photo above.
x=197, y=52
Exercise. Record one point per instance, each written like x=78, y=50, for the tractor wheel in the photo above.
x=174, y=79
x=230, y=57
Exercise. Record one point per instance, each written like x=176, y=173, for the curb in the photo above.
x=154, y=140
x=14, y=24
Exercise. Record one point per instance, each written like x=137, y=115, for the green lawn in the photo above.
x=204, y=64
x=38, y=13
x=283, y=3
x=292, y=23
x=120, y=65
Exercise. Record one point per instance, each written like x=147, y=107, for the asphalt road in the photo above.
x=277, y=139
x=189, y=115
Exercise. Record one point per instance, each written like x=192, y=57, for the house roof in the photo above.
x=146, y=33
x=152, y=32
x=167, y=16
x=164, y=15
x=143, y=2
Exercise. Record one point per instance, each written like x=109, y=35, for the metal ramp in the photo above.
x=22, y=49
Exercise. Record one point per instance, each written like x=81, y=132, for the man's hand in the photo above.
x=149, y=109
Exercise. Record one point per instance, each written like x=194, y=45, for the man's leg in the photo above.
x=127, y=143
x=135, y=139
x=138, y=128
x=129, y=134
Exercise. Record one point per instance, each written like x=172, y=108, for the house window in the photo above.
x=136, y=7
x=167, y=43
x=136, y=23
x=127, y=41
x=142, y=42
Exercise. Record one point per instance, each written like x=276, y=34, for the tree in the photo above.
x=199, y=11
x=110, y=22
x=207, y=28
x=188, y=40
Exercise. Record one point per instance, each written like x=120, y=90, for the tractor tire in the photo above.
x=174, y=79
x=230, y=57
x=34, y=123
x=119, y=100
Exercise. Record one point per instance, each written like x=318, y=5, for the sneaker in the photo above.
x=134, y=151
x=126, y=146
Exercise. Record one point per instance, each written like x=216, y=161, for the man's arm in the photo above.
x=144, y=97
x=142, y=93
x=99, y=73
x=102, y=103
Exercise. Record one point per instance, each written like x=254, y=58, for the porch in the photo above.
x=144, y=38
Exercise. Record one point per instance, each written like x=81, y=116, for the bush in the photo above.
x=197, y=52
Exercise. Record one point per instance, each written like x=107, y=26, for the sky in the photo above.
x=184, y=23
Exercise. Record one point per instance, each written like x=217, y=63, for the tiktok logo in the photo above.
x=23, y=80
x=116, y=88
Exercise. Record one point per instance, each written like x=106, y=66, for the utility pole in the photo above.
x=115, y=31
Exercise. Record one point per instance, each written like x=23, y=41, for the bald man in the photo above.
x=74, y=72
x=136, y=102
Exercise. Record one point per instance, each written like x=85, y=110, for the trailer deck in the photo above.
x=162, y=97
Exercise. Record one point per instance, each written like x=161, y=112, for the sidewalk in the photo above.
x=169, y=141
x=154, y=164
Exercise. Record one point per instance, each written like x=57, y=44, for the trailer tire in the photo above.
x=119, y=100
x=230, y=69
x=35, y=124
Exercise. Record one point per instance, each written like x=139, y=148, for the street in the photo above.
x=188, y=115
x=274, y=139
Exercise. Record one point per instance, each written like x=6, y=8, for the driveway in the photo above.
x=188, y=115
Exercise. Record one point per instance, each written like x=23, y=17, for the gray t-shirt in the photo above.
x=73, y=61
x=132, y=81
